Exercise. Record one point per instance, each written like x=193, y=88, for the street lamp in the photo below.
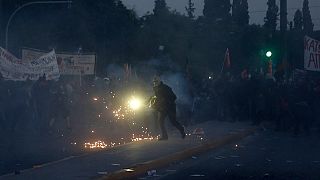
x=28, y=4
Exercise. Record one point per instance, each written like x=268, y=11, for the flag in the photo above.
x=226, y=62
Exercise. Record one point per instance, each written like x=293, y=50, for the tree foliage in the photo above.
x=217, y=11
x=117, y=35
x=307, y=20
x=160, y=8
x=190, y=9
x=240, y=12
x=298, y=21
x=104, y=27
x=270, y=21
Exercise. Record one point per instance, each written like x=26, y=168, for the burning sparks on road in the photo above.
x=124, y=108
x=145, y=136
x=103, y=145
x=98, y=145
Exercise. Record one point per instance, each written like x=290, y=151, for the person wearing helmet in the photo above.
x=164, y=102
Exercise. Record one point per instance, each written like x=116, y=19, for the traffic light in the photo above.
x=268, y=54
x=268, y=57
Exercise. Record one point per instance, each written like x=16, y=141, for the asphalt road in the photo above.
x=104, y=162
x=264, y=155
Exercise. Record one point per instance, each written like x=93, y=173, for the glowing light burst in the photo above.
x=134, y=103
x=128, y=110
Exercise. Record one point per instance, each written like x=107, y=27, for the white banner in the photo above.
x=311, y=54
x=69, y=63
x=46, y=64
x=12, y=68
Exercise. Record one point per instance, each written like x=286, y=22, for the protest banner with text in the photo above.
x=311, y=54
x=12, y=68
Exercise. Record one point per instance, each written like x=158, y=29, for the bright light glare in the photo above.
x=134, y=103
x=269, y=54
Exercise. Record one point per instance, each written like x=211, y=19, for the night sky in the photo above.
x=142, y=6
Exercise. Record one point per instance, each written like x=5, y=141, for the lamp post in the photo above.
x=25, y=5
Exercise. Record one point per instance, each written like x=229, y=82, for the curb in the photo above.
x=142, y=168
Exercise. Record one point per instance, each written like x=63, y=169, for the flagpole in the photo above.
x=224, y=60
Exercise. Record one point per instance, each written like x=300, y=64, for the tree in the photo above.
x=160, y=8
x=244, y=13
x=217, y=11
x=298, y=21
x=270, y=21
x=190, y=9
x=240, y=12
x=307, y=21
x=104, y=27
x=236, y=5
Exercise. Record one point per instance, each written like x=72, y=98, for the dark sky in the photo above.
x=142, y=6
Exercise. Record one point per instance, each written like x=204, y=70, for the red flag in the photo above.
x=227, y=62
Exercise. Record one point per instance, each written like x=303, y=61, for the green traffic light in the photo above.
x=269, y=54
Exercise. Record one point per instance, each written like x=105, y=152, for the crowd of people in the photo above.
x=34, y=105
x=65, y=105
x=289, y=105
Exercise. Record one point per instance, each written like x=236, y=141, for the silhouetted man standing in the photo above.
x=165, y=104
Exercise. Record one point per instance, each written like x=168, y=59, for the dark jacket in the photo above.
x=165, y=97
